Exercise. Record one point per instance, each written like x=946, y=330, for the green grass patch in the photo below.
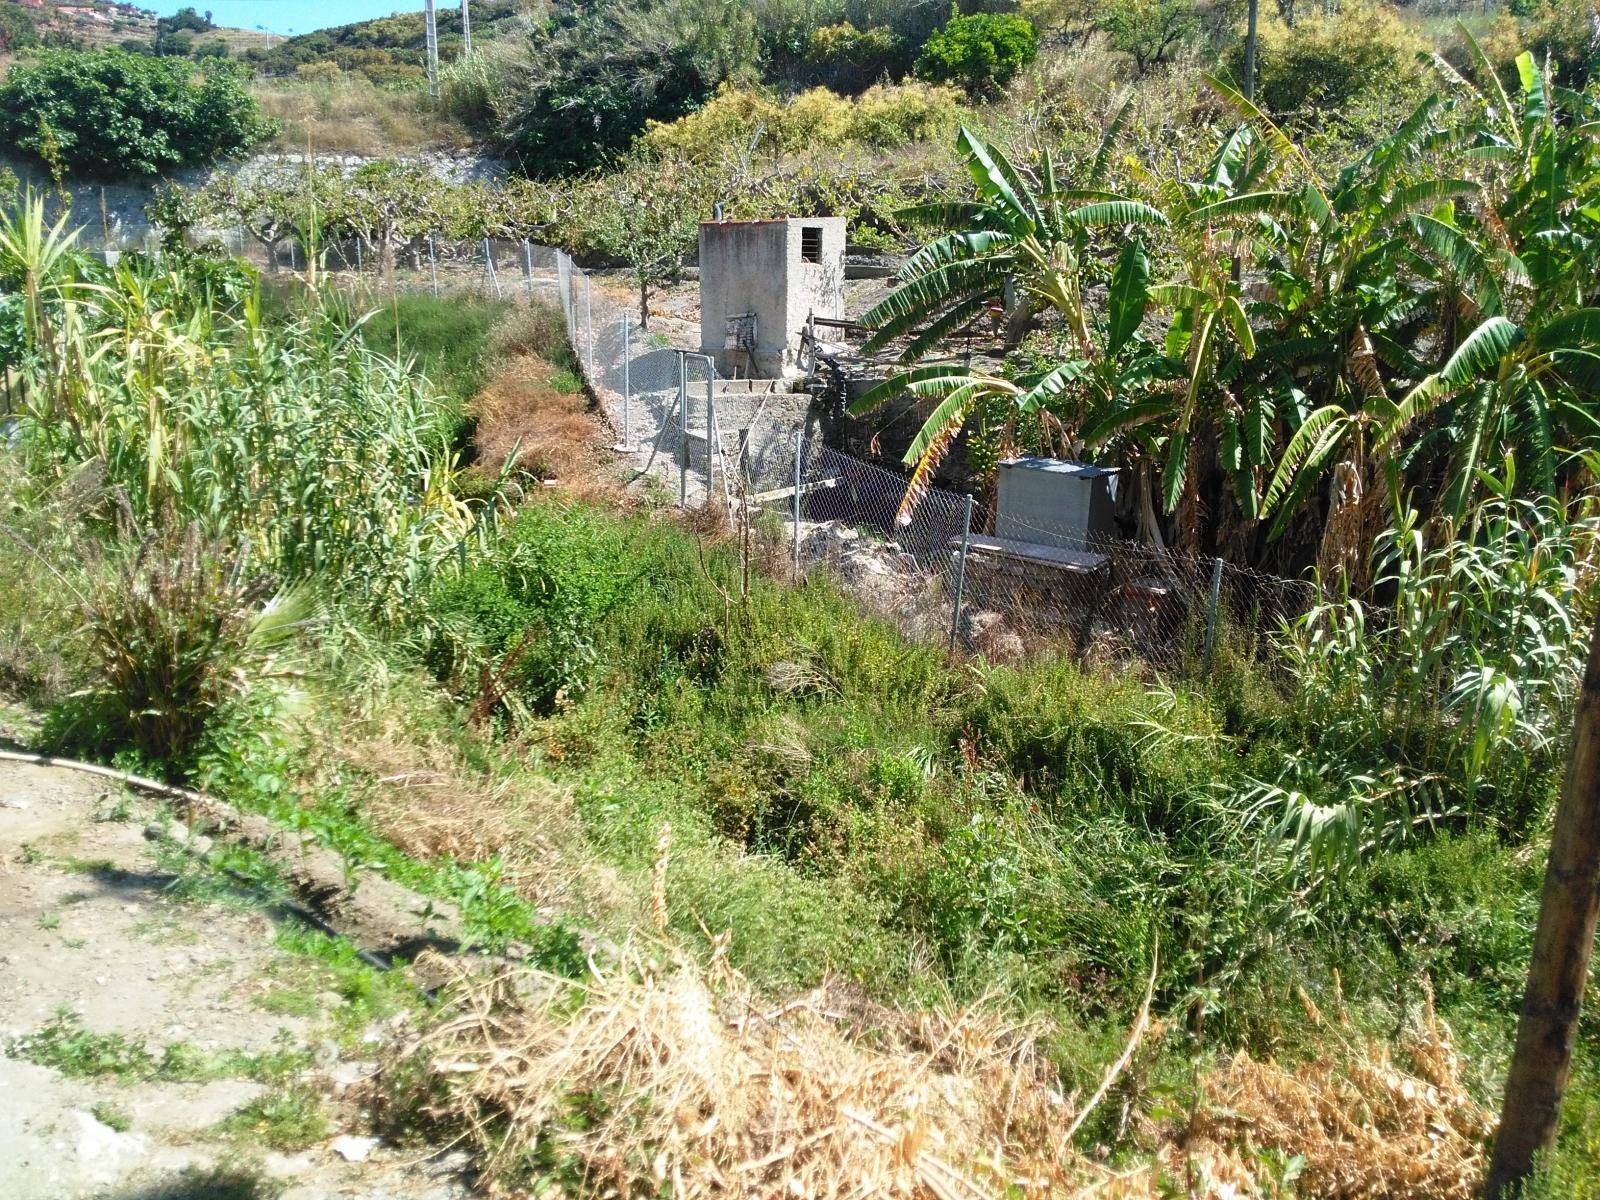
x=111, y=1116
x=63, y=1044
x=286, y=1118
x=447, y=337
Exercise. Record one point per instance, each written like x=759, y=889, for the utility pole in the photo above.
x=1541, y=1064
x=466, y=31
x=430, y=29
x=1249, y=50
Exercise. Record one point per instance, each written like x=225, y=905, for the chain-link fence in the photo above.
x=938, y=568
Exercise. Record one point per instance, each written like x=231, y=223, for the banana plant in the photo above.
x=1020, y=248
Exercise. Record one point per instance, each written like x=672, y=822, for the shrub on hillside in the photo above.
x=17, y=28
x=981, y=52
x=849, y=59
x=1565, y=31
x=583, y=86
x=743, y=120
x=1328, y=62
x=107, y=113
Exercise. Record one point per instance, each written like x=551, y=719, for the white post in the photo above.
x=527, y=250
x=799, y=450
x=488, y=258
x=713, y=441
x=1211, y=610
x=430, y=29
x=433, y=266
x=466, y=31
x=961, y=575
x=683, y=430
x=626, y=445
x=588, y=320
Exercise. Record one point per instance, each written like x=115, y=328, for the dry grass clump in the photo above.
x=1369, y=1127
x=643, y=1079
x=522, y=412
x=431, y=804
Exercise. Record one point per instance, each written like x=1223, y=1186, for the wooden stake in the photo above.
x=1542, y=1062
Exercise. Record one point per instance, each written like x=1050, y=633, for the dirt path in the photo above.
x=193, y=1045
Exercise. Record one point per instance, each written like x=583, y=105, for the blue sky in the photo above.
x=290, y=16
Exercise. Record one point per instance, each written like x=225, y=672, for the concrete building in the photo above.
x=759, y=280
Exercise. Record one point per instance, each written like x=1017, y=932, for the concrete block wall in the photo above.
x=758, y=267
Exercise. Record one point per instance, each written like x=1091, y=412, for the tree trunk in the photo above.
x=1562, y=944
x=644, y=301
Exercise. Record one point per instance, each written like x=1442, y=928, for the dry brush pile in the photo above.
x=649, y=1077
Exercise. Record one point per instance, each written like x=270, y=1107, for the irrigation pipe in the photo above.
x=137, y=782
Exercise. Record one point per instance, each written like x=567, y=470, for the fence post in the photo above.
x=494, y=276
x=799, y=451
x=527, y=261
x=1211, y=611
x=626, y=445
x=713, y=438
x=961, y=575
x=683, y=430
x=588, y=321
x=433, y=267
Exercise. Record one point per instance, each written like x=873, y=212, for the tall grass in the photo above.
x=1443, y=703
x=298, y=442
x=348, y=114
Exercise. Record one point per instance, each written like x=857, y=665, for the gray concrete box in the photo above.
x=776, y=273
x=1053, y=502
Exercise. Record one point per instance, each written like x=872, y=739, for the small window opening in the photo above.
x=811, y=243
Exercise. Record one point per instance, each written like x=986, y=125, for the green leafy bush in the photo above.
x=107, y=113
x=523, y=626
x=981, y=52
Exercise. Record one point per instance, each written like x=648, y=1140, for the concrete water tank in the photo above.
x=1053, y=502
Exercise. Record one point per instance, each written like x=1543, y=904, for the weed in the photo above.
x=288, y=1002
x=567, y=383
x=326, y=964
x=66, y=1046
x=171, y=636
x=115, y=807
x=286, y=1118
x=49, y=921
x=86, y=866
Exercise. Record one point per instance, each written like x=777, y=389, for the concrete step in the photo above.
x=752, y=387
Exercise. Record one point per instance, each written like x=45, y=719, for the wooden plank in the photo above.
x=1056, y=557
x=819, y=485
